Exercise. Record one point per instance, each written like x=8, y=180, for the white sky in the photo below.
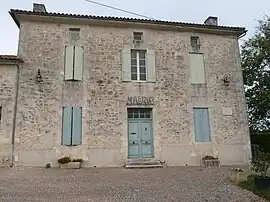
x=243, y=13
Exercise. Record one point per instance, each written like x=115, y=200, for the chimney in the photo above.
x=211, y=20
x=39, y=8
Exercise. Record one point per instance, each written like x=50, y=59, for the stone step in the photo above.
x=143, y=163
x=144, y=166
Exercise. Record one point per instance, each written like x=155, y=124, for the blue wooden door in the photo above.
x=133, y=139
x=146, y=139
x=140, y=133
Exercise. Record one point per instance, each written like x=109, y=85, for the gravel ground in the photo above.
x=119, y=184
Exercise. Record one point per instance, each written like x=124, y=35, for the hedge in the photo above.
x=262, y=139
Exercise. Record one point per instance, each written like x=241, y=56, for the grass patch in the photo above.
x=250, y=185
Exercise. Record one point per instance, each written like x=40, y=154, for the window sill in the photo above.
x=72, y=80
x=136, y=81
x=204, y=142
x=71, y=145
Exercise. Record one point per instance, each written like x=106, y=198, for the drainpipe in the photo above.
x=15, y=116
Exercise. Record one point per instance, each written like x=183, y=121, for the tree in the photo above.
x=255, y=57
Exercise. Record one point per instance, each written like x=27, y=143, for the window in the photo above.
x=0, y=113
x=137, y=36
x=195, y=43
x=138, y=65
x=139, y=113
x=197, y=71
x=73, y=62
x=201, y=125
x=72, y=126
x=74, y=33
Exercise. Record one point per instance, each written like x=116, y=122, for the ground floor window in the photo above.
x=72, y=126
x=201, y=125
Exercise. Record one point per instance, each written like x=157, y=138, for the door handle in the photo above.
x=146, y=142
x=133, y=133
x=133, y=142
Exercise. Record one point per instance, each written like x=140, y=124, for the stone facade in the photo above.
x=8, y=77
x=103, y=95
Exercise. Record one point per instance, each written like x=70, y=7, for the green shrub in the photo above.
x=77, y=160
x=208, y=157
x=262, y=139
x=262, y=164
x=64, y=160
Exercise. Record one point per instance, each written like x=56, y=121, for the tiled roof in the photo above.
x=183, y=24
x=13, y=58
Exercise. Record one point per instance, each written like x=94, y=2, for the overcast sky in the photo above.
x=230, y=12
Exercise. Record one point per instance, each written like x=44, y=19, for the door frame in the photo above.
x=139, y=120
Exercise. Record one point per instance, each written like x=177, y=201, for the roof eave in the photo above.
x=13, y=15
x=237, y=31
x=10, y=62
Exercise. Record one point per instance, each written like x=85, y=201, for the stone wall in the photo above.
x=8, y=75
x=103, y=96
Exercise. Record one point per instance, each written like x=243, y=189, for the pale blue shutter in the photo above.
x=66, y=126
x=197, y=68
x=151, y=66
x=78, y=63
x=126, y=64
x=69, y=62
x=77, y=126
x=201, y=125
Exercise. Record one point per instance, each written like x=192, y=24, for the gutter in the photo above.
x=243, y=34
x=15, y=116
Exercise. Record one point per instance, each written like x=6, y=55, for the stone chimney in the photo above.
x=211, y=20
x=39, y=8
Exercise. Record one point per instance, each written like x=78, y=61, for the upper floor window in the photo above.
x=197, y=70
x=73, y=62
x=138, y=65
x=74, y=33
x=195, y=43
x=138, y=36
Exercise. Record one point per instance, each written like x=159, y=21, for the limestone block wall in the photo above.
x=8, y=75
x=103, y=95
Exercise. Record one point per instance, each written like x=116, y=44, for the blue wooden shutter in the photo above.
x=66, y=127
x=77, y=126
x=201, y=125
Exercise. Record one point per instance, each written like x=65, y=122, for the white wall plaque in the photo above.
x=227, y=111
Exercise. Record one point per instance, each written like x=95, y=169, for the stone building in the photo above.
x=110, y=89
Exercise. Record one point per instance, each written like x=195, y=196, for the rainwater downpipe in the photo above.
x=15, y=116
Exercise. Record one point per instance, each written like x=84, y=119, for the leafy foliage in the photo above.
x=250, y=185
x=208, y=157
x=262, y=139
x=255, y=59
x=64, y=160
x=77, y=160
x=262, y=164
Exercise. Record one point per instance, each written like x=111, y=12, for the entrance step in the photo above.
x=143, y=163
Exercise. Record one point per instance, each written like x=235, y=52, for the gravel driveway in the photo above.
x=119, y=184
